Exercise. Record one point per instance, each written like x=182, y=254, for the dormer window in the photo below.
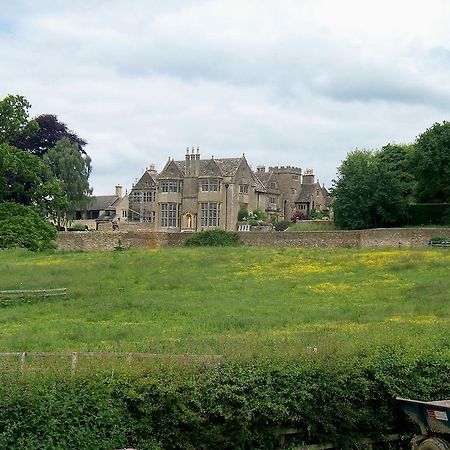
x=210, y=185
x=170, y=186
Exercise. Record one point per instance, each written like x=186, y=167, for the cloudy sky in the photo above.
x=287, y=82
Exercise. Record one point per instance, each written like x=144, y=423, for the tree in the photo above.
x=23, y=226
x=14, y=118
x=72, y=170
x=26, y=179
x=397, y=159
x=366, y=194
x=46, y=135
x=431, y=162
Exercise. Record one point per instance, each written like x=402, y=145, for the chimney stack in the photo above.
x=118, y=190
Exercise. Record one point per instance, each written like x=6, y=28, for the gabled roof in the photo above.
x=227, y=166
x=146, y=181
x=307, y=192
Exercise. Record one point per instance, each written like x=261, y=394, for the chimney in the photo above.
x=151, y=168
x=118, y=190
x=308, y=177
x=260, y=169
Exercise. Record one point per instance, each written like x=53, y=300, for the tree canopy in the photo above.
x=367, y=194
x=72, y=170
x=431, y=163
x=46, y=135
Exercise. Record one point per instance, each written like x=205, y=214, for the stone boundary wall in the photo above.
x=381, y=237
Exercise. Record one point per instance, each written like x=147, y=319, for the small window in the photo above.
x=273, y=185
x=293, y=190
x=243, y=188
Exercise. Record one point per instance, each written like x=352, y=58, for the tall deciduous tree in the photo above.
x=432, y=164
x=46, y=135
x=72, y=170
x=367, y=194
x=397, y=159
x=14, y=120
x=26, y=179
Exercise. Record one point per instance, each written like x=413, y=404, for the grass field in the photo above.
x=240, y=302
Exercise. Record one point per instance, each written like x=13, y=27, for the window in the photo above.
x=293, y=190
x=302, y=206
x=124, y=213
x=294, y=177
x=272, y=200
x=210, y=185
x=243, y=188
x=210, y=214
x=170, y=186
x=169, y=215
x=148, y=196
x=273, y=185
x=136, y=197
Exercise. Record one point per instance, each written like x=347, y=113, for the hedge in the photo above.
x=238, y=405
x=429, y=214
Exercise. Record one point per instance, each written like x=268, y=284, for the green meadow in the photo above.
x=238, y=303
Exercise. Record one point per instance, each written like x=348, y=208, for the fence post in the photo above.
x=74, y=361
x=22, y=362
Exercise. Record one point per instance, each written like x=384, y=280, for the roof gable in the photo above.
x=146, y=181
x=173, y=169
x=210, y=168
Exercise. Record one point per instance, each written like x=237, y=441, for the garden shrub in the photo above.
x=213, y=238
x=282, y=225
x=240, y=404
x=22, y=226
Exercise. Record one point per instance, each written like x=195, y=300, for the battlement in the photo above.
x=286, y=170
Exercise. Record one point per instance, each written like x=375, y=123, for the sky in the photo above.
x=286, y=82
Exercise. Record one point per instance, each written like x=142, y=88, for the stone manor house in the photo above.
x=196, y=194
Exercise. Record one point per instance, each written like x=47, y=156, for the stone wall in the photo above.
x=383, y=237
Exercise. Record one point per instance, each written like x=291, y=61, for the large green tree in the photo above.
x=398, y=160
x=14, y=118
x=431, y=162
x=26, y=179
x=367, y=194
x=72, y=170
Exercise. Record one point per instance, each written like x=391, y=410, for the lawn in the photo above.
x=239, y=302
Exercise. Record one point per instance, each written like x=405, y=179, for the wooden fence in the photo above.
x=22, y=293
x=73, y=358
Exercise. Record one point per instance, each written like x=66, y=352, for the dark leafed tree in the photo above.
x=398, y=160
x=45, y=136
x=431, y=164
x=367, y=194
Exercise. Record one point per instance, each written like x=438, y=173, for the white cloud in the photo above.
x=286, y=82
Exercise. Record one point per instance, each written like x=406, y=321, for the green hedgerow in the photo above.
x=213, y=238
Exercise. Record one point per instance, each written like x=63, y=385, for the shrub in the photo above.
x=22, y=226
x=283, y=225
x=213, y=238
x=242, y=215
x=298, y=215
x=428, y=213
x=77, y=227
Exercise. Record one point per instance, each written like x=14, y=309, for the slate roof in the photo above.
x=227, y=166
x=263, y=177
x=102, y=203
x=307, y=192
x=147, y=177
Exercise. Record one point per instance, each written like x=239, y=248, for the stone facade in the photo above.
x=383, y=237
x=197, y=194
